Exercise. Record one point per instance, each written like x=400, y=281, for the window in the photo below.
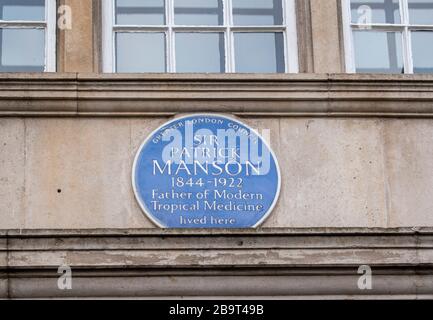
x=388, y=36
x=27, y=35
x=200, y=36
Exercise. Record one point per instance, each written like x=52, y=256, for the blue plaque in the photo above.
x=206, y=171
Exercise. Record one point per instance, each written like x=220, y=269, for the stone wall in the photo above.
x=355, y=152
x=336, y=172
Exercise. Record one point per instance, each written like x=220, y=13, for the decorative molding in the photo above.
x=219, y=263
x=320, y=95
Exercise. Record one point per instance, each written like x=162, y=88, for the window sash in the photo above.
x=288, y=29
x=49, y=25
x=404, y=27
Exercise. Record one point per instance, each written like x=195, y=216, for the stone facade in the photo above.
x=355, y=152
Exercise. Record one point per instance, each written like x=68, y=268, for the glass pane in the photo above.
x=259, y=52
x=198, y=12
x=258, y=12
x=140, y=52
x=375, y=11
x=200, y=52
x=29, y=10
x=421, y=11
x=422, y=51
x=378, y=51
x=15, y=53
x=139, y=12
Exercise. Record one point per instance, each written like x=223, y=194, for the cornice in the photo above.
x=154, y=95
x=266, y=263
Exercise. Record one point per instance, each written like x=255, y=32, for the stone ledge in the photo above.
x=387, y=284
x=321, y=95
x=224, y=249
x=35, y=233
x=285, y=263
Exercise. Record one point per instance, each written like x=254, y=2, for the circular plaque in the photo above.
x=206, y=171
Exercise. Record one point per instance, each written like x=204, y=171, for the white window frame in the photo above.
x=49, y=25
x=288, y=29
x=404, y=27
